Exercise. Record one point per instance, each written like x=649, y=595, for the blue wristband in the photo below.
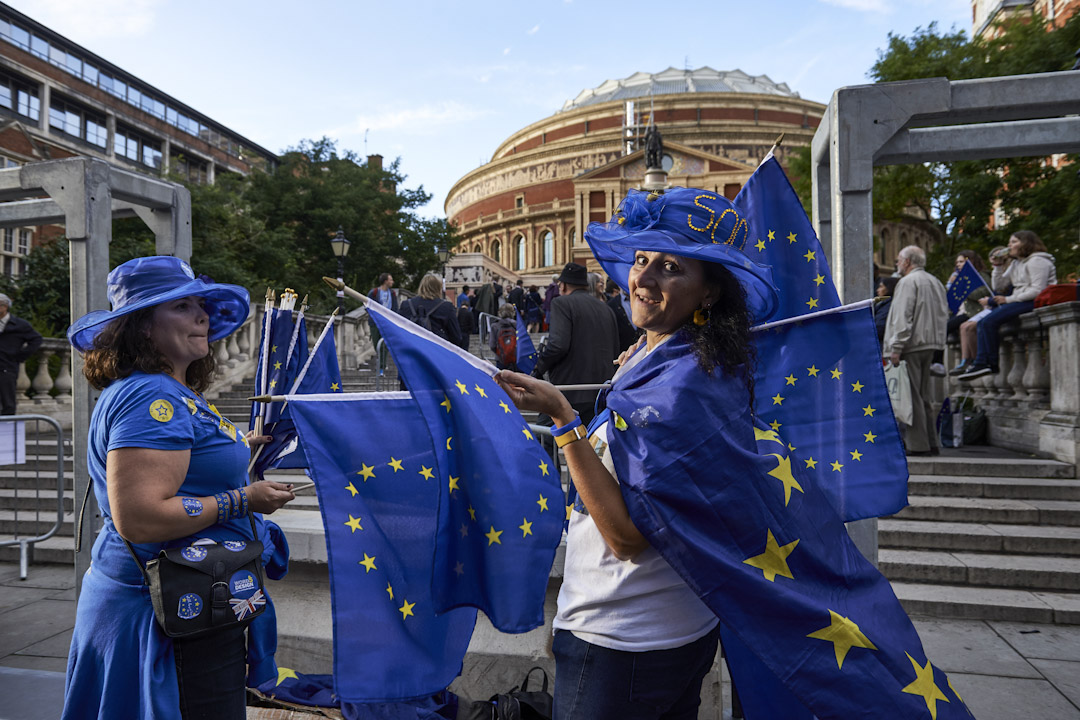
x=576, y=422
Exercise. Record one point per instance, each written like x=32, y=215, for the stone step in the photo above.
x=31, y=524
x=57, y=550
x=979, y=537
x=21, y=499
x=995, y=487
x=1027, y=572
x=992, y=510
x=27, y=480
x=981, y=603
x=996, y=463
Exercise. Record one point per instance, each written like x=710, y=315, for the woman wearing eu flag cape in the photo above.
x=691, y=512
x=167, y=471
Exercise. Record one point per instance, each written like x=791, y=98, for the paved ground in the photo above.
x=1003, y=670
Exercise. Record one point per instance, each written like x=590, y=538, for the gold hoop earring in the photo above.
x=701, y=316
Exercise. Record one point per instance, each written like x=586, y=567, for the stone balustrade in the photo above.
x=49, y=391
x=1033, y=403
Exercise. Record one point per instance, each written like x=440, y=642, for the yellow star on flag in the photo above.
x=448, y=442
x=528, y=435
x=776, y=425
x=954, y=690
x=868, y=411
x=569, y=510
x=811, y=303
x=277, y=366
x=790, y=447
x=811, y=463
x=773, y=561
x=472, y=513
x=772, y=235
x=273, y=384
x=525, y=527
x=396, y=464
x=836, y=465
x=777, y=399
x=544, y=468
x=869, y=436
x=273, y=348
x=844, y=635
x=390, y=590
x=809, y=256
x=334, y=387
x=283, y=673
x=925, y=687
x=782, y=472
x=856, y=455
x=790, y=379
x=426, y=472
x=504, y=406
x=760, y=434
x=760, y=244
x=542, y=502
x=446, y=402
x=406, y=608
x=812, y=371
x=480, y=390
x=461, y=387
x=367, y=471
x=836, y=373
x=454, y=483
x=857, y=386
x=354, y=523
x=819, y=280
x=493, y=536
x=352, y=489
x=790, y=237
x=368, y=562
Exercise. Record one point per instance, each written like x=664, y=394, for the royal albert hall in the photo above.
x=521, y=215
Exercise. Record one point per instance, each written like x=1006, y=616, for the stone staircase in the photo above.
x=28, y=502
x=988, y=534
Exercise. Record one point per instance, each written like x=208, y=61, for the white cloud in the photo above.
x=533, y=30
x=422, y=120
x=506, y=51
x=97, y=20
x=878, y=6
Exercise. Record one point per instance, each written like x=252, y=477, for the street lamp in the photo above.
x=444, y=254
x=341, y=248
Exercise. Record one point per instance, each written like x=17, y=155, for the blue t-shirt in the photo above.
x=155, y=411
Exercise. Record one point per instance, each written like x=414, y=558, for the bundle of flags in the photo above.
x=966, y=281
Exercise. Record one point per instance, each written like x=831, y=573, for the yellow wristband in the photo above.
x=572, y=435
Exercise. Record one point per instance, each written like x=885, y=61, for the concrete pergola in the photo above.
x=918, y=121
x=85, y=195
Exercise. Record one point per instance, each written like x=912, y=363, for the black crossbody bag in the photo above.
x=201, y=588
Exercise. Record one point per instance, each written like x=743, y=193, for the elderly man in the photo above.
x=583, y=340
x=914, y=330
x=18, y=341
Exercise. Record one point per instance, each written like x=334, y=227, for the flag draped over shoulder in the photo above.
x=819, y=381
x=965, y=282
x=526, y=351
x=820, y=386
x=378, y=507
x=500, y=502
x=759, y=541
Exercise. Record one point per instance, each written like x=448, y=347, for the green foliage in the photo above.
x=41, y=295
x=958, y=198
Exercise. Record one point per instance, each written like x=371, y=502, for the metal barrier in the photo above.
x=379, y=369
x=13, y=435
x=539, y=431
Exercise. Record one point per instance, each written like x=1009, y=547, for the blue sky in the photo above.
x=441, y=84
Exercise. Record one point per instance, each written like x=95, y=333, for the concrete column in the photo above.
x=1059, y=430
x=46, y=102
x=110, y=128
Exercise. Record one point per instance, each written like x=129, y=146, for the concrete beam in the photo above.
x=984, y=141
x=21, y=213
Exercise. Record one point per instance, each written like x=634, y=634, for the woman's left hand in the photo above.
x=254, y=440
x=529, y=393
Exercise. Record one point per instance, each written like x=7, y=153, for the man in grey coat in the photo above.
x=583, y=340
x=914, y=330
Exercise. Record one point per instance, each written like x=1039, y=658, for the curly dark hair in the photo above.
x=124, y=346
x=724, y=340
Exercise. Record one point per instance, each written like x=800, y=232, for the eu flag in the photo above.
x=820, y=386
x=500, y=509
x=965, y=282
x=373, y=464
x=781, y=236
x=526, y=351
x=285, y=349
x=760, y=543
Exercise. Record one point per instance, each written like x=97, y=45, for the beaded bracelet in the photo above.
x=243, y=502
x=223, y=506
x=240, y=506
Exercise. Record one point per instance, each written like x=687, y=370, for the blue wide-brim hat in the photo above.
x=149, y=281
x=688, y=222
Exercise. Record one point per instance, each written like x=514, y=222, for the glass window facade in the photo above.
x=76, y=121
x=25, y=239
x=9, y=240
x=134, y=146
x=20, y=96
x=549, y=248
x=519, y=245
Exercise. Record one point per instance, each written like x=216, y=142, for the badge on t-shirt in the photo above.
x=242, y=584
x=161, y=410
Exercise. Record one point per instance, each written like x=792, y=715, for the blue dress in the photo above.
x=121, y=665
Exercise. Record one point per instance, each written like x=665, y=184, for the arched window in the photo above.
x=549, y=248
x=477, y=248
x=570, y=236
x=519, y=245
x=496, y=250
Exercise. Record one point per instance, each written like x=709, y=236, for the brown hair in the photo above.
x=975, y=259
x=1029, y=242
x=430, y=287
x=124, y=347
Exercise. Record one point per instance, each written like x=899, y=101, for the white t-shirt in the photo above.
x=635, y=605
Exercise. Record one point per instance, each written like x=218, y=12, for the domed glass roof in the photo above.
x=676, y=82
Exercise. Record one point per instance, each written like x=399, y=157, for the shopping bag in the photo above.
x=899, y=385
x=951, y=424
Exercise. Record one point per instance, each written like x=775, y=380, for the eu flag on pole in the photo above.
x=819, y=384
x=781, y=236
x=500, y=510
x=966, y=281
x=281, y=367
x=526, y=351
x=373, y=464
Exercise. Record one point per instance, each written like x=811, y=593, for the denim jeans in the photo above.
x=211, y=672
x=989, y=327
x=595, y=683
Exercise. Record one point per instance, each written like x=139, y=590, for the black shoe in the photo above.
x=935, y=451
x=976, y=371
x=960, y=369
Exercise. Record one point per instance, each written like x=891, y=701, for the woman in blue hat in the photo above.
x=632, y=639
x=167, y=470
